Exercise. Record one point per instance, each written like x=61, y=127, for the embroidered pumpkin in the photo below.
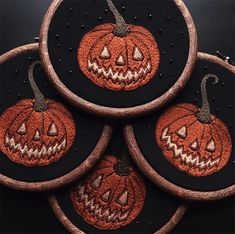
x=36, y=132
x=112, y=196
x=192, y=139
x=119, y=56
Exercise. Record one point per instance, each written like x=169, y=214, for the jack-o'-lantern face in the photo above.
x=110, y=197
x=32, y=137
x=119, y=57
x=36, y=138
x=199, y=144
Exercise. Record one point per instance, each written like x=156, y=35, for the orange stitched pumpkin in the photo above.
x=192, y=139
x=36, y=132
x=119, y=56
x=112, y=196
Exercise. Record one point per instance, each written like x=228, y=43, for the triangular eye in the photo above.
x=36, y=136
x=120, y=60
x=105, y=54
x=211, y=146
x=123, y=198
x=137, y=54
x=106, y=195
x=194, y=145
x=97, y=182
x=22, y=129
x=53, y=131
x=182, y=132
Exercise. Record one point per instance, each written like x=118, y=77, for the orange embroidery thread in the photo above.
x=36, y=132
x=192, y=139
x=119, y=56
x=112, y=196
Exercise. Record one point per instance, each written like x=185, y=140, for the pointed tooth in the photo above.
x=55, y=148
x=178, y=151
x=7, y=139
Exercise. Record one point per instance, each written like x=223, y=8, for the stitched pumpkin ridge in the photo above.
x=36, y=132
x=110, y=197
x=192, y=139
x=119, y=56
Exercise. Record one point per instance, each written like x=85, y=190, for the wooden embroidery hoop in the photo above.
x=175, y=219
x=111, y=111
x=155, y=177
x=74, y=174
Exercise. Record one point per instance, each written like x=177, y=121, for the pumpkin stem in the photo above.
x=40, y=102
x=121, y=29
x=204, y=116
x=122, y=167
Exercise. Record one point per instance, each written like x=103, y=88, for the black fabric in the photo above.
x=158, y=207
x=221, y=101
x=14, y=87
x=29, y=213
x=166, y=24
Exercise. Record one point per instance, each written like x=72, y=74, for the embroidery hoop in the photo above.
x=113, y=112
x=175, y=219
x=69, y=177
x=165, y=184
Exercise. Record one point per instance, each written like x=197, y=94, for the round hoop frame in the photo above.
x=112, y=112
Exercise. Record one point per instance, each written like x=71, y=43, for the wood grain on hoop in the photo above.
x=155, y=177
x=111, y=111
x=74, y=174
x=175, y=219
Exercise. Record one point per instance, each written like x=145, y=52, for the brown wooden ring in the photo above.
x=215, y=59
x=74, y=174
x=146, y=168
x=110, y=111
x=175, y=219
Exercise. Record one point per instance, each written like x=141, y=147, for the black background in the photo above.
x=85, y=138
x=158, y=206
x=64, y=60
x=23, y=212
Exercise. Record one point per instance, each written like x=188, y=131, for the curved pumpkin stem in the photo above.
x=40, y=102
x=204, y=116
x=121, y=29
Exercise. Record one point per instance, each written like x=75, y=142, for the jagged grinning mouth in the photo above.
x=185, y=158
x=35, y=153
x=119, y=76
x=96, y=210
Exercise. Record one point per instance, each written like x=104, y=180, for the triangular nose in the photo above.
x=106, y=195
x=37, y=136
x=120, y=60
x=194, y=145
